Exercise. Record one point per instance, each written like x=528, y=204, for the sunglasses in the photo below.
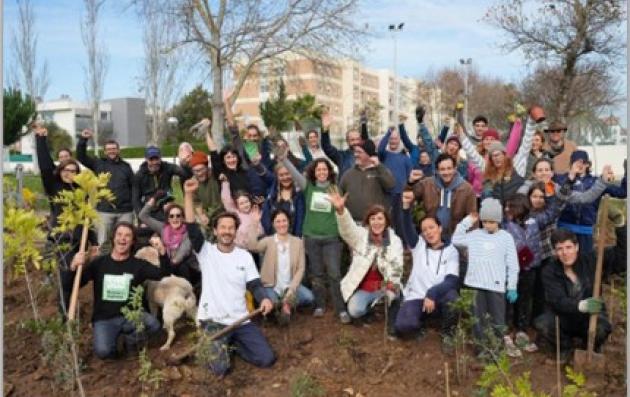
x=174, y=216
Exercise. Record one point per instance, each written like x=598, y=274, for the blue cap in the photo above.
x=151, y=152
x=579, y=155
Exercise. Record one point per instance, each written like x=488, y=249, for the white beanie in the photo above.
x=491, y=210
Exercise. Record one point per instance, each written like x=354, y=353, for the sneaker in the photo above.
x=522, y=341
x=318, y=312
x=344, y=317
x=510, y=348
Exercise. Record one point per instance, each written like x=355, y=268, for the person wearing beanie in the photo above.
x=579, y=217
x=492, y=269
x=452, y=146
x=559, y=147
x=207, y=198
x=367, y=183
x=156, y=175
x=501, y=179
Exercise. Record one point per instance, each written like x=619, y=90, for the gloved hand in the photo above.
x=511, y=295
x=591, y=305
x=420, y=111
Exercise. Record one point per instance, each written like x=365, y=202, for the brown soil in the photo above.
x=343, y=360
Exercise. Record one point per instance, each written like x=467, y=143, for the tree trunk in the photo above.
x=218, y=111
x=95, y=126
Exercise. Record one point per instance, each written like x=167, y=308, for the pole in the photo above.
x=395, y=76
x=466, y=93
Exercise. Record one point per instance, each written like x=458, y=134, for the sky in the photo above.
x=436, y=34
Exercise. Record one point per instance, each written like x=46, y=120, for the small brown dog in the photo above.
x=173, y=294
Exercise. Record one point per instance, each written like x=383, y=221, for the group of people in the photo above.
x=513, y=222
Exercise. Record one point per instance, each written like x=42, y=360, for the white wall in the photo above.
x=612, y=155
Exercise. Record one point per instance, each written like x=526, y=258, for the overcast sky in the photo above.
x=437, y=33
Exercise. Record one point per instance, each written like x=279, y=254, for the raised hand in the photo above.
x=302, y=141
x=573, y=170
x=326, y=119
x=415, y=176
x=157, y=243
x=87, y=133
x=407, y=199
x=607, y=174
x=337, y=200
x=281, y=150
x=420, y=112
x=191, y=185
x=39, y=129
x=474, y=217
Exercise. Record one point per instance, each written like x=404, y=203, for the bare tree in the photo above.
x=160, y=66
x=97, y=61
x=239, y=34
x=28, y=77
x=572, y=37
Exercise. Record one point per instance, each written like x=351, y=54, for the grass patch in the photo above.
x=304, y=385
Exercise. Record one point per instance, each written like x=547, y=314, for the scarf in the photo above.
x=173, y=237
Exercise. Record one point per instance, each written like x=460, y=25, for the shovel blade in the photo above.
x=581, y=362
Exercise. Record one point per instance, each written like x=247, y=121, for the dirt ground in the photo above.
x=343, y=360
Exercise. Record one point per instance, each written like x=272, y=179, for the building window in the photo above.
x=48, y=116
x=104, y=116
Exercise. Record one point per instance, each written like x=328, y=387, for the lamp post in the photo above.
x=395, y=29
x=466, y=65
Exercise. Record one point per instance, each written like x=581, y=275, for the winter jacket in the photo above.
x=492, y=257
x=120, y=181
x=146, y=185
x=254, y=179
x=367, y=187
x=504, y=189
x=387, y=257
x=561, y=295
x=398, y=163
x=269, y=267
x=579, y=217
x=344, y=159
x=52, y=183
x=185, y=247
x=434, y=152
x=458, y=197
x=294, y=207
x=561, y=156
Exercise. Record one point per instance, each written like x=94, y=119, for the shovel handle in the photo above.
x=177, y=358
x=601, y=226
x=74, y=297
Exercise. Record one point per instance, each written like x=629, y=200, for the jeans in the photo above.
x=108, y=220
x=410, y=316
x=324, y=259
x=571, y=325
x=247, y=341
x=489, y=311
x=304, y=296
x=359, y=303
x=106, y=333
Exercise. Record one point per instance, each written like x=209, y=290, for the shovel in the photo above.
x=176, y=359
x=589, y=359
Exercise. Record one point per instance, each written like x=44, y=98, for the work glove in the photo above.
x=511, y=295
x=420, y=111
x=591, y=305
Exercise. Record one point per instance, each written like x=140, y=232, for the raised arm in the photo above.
x=429, y=145
x=348, y=229
x=520, y=160
x=147, y=219
x=298, y=178
x=330, y=151
x=404, y=137
x=471, y=151
x=226, y=197
x=194, y=233
x=382, y=145
x=45, y=162
x=512, y=144
x=459, y=235
x=408, y=230
x=82, y=155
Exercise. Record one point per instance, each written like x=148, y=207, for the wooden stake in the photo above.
x=558, y=372
x=74, y=297
x=448, y=385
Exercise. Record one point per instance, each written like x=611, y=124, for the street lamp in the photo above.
x=393, y=28
x=466, y=65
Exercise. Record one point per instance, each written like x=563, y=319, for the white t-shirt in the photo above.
x=430, y=267
x=283, y=269
x=224, y=277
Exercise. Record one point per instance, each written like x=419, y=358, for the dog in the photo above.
x=173, y=294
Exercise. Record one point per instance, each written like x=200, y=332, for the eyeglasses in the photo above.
x=199, y=170
x=71, y=170
x=174, y=216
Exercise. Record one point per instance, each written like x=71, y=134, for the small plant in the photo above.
x=462, y=307
x=149, y=376
x=304, y=385
x=345, y=339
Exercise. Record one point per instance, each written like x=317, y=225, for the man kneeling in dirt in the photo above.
x=114, y=275
x=568, y=283
x=226, y=273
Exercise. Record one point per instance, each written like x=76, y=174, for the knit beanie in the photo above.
x=496, y=146
x=368, y=147
x=579, y=155
x=490, y=133
x=198, y=158
x=491, y=210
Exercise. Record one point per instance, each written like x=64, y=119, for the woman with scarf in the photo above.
x=377, y=260
x=174, y=236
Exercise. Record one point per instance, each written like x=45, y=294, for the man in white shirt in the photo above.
x=226, y=273
x=434, y=277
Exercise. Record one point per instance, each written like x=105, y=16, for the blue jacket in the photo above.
x=296, y=209
x=344, y=159
x=398, y=163
x=434, y=152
